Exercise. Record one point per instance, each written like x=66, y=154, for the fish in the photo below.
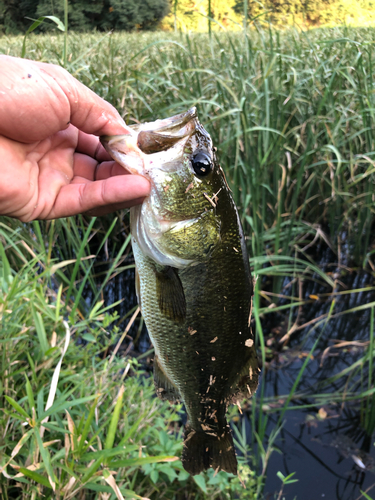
x=193, y=281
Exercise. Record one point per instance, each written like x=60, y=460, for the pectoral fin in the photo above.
x=170, y=293
x=165, y=389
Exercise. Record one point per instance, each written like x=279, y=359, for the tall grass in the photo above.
x=75, y=422
x=291, y=114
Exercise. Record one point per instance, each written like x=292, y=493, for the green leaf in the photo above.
x=17, y=407
x=366, y=495
x=44, y=453
x=56, y=457
x=32, y=364
x=111, y=269
x=30, y=394
x=59, y=406
x=40, y=330
x=125, y=492
x=114, y=420
x=38, y=478
x=280, y=475
x=133, y=462
x=80, y=254
x=54, y=428
x=87, y=426
x=199, y=480
x=40, y=20
x=89, y=337
x=58, y=304
x=91, y=471
x=288, y=479
x=51, y=350
x=40, y=401
x=132, y=430
x=98, y=487
x=7, y=273
x=154, y=476
x=95, y=309
x=169, y=471
x=119, y=450
x=183, y=475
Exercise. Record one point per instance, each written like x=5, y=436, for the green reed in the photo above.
x=291, y=114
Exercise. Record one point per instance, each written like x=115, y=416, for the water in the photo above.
x=324, y=458
x=324, y=445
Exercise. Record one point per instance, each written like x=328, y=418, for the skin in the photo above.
x=51, y=161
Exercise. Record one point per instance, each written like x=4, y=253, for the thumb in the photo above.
x=88, y=112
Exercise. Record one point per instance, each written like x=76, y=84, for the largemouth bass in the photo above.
x=193, y=281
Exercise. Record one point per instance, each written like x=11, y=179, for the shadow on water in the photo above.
x=323, y=457
x=324, y=442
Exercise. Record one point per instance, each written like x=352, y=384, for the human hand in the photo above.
x=51, y=161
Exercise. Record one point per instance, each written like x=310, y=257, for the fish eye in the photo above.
x=201, y=163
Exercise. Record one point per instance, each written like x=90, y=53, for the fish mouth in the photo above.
x=174, y=125
x=143, y=147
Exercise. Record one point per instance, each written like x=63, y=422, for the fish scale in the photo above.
x=194, y=282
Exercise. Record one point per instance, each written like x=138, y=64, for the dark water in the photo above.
x=321, y=455
x=332, y=457
x=325, y=445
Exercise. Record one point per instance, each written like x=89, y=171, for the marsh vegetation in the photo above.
x=292, y=115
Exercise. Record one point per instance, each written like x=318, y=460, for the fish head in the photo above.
x=178, y=223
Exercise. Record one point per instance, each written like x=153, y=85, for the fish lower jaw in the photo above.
x=132, y=164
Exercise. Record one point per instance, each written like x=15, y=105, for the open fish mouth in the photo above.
x=173, y=126
x=157, y=150
x=150, y=144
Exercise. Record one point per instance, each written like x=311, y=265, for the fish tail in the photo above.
x=202, y=451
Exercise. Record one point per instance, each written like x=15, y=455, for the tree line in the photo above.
x=104, y=15
x=84, y=15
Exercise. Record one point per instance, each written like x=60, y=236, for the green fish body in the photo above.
x=193, y=281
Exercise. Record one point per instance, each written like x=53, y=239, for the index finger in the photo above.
x=90, y=145
x=38, y=100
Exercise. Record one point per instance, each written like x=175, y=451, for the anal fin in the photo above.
x=165, y=389
x=248, y=377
